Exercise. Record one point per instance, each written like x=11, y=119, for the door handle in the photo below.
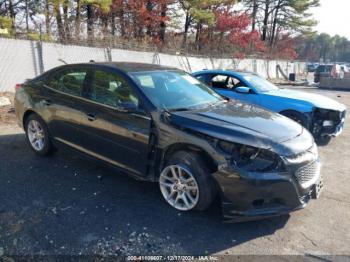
x=47, y=102
x=91, y=117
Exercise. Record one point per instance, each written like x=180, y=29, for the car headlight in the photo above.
x=326, y=114
x=251, y=158
x=308, y=156
x=321, y=111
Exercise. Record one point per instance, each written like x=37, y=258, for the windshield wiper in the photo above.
x=197, y=107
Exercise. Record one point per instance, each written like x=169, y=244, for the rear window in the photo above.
x=70, y=81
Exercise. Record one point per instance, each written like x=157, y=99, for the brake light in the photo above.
x=18, y=87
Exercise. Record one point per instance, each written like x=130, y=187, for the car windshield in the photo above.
x=175, y=90
x=260, y=84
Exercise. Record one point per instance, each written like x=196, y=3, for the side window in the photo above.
x=225, y=82
x=219, y=81
x=233, y=83
x=111, y=89
x=68, y=81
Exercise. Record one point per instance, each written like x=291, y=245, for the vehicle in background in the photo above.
x=322, y=116
x=344, y=71
x=162, y=125
x=311, y=68
x=323, y=71
x=331, y=70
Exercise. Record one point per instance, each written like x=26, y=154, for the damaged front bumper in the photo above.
x=253, y=196
x=328, y=123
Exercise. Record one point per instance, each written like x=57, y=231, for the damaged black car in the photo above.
x=162, y=125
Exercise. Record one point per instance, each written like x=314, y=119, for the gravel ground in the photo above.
x=68, y=205
x=7, y=116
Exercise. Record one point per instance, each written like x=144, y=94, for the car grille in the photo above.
x=308, y=175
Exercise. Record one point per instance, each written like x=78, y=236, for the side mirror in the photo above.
x=243, y=90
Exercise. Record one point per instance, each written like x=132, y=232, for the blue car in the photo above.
x=322, y=116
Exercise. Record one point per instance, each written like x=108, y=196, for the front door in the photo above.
x=116, y=128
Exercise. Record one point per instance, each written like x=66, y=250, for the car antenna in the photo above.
x=61, y=60
x=165, y=109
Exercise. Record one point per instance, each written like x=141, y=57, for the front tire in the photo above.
x=186, y=183
x=38, y=135
x=323, y=140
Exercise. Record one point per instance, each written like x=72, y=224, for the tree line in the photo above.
x=323, y=48
x=238, y=28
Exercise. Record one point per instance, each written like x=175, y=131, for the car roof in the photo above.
x=134, y=67
x=126, y=67
x=232, y=71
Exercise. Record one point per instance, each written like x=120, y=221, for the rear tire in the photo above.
x=191, y=187
x=38, y=135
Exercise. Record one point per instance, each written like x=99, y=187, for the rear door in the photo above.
x=64, y=110
x=116, y=128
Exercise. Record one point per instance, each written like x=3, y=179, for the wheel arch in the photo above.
x=211, y=164
x=174, y=148
x=27, y=114
x=286, y=111
x=304, y=116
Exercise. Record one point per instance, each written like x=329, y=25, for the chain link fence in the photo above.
x=25, y=59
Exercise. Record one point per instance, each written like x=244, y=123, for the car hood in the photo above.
x=316, y=100
x=246, y=124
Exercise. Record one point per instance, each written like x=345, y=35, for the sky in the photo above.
x=333, y=17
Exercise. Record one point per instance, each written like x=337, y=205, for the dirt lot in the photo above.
x=69, y=205
x=7, y=116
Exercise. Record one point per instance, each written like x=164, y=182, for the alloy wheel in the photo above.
x=179, y=187
x=36, y=135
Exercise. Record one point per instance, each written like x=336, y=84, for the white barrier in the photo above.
x=23, y=59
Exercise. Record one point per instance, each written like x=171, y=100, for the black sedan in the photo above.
x=162, y=125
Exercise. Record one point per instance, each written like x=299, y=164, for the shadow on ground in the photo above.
x=67, y=204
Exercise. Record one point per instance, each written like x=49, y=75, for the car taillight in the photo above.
x=18, y=87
